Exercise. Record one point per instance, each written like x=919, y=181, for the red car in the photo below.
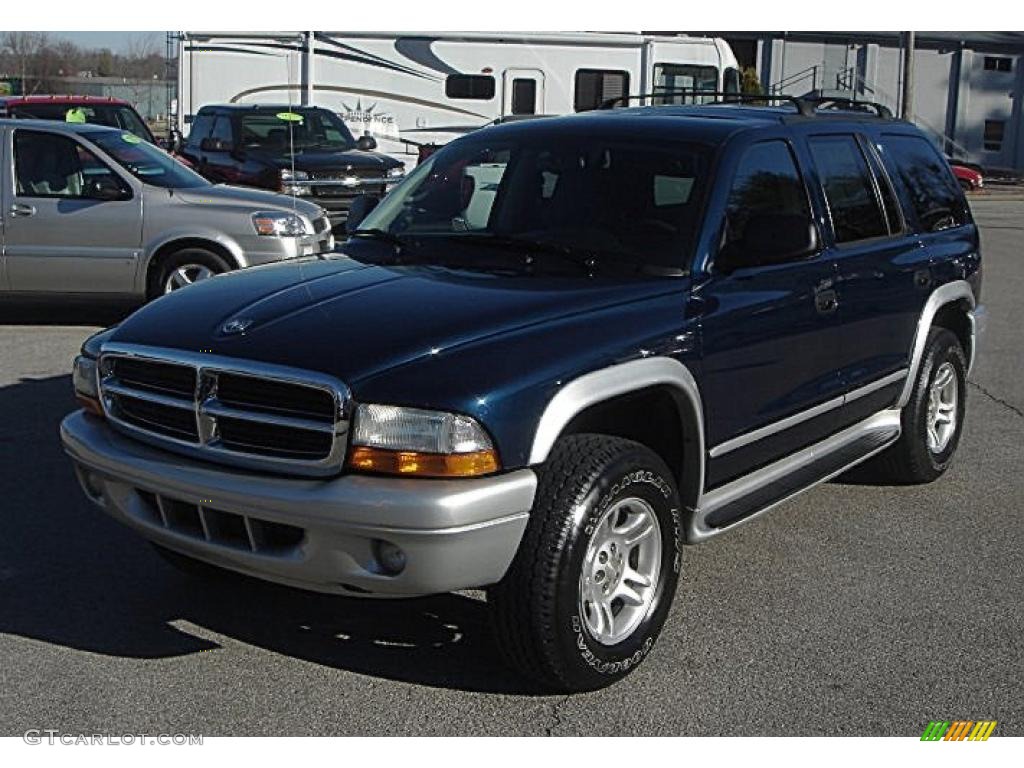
x=970, y=178
x=101, y=110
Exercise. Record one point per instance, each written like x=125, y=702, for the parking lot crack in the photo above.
x=1009, y=406
x=556, y=715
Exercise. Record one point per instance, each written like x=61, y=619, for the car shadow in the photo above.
x=71, y=576
x=75, y=312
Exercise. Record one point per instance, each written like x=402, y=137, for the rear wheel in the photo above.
x=593, y=580
x=183, y=268
x=933, y=418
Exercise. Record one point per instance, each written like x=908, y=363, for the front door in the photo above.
x=769, y=327
x=72, y=224
x=523, y=92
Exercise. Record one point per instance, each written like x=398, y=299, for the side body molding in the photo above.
x=606, y=383
x=958, y=290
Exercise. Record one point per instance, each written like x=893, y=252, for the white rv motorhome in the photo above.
x=412, y=88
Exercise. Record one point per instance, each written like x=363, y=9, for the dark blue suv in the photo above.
x=556, y=353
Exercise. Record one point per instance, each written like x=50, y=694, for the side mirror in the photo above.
x=769, y=239
x=359, y=210
x=210, y=144
x=366, y=143
x=105, y=188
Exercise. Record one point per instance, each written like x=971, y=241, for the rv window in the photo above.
x=524, y=96
x=684, y=77
x=469, y=87
x=596, y=86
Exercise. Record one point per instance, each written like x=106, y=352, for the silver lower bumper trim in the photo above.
x=456, y=534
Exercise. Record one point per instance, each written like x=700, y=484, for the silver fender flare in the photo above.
x=606, y=383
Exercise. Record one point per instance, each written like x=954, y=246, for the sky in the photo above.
x=115, y=41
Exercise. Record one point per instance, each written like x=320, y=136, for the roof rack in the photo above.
x=806, y=106
x=722, y=98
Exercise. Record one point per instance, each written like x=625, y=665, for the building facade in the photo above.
x=967, y=85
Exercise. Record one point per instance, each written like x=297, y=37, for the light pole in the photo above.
x=907, y=106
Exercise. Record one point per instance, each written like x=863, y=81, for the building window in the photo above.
x=469, y=87
x=596, y=86
x=994, y=130
x=998, y=64
x=524, y=96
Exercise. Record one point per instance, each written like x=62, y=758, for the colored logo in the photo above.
x=958, y=730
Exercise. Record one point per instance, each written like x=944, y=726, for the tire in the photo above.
x=189, y=566
x=917, y=458
x=190, y=260
x=544, y=628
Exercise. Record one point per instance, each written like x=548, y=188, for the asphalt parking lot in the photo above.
x=852, y=610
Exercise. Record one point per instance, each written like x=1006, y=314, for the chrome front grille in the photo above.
x=246, y=414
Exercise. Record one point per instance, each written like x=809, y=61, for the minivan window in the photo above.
x=622, y=201
x=52, y=165
x=849, y=188
x=144, y=161
x=933, y=190
x=767, y=183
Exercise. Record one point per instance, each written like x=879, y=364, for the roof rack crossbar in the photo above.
x=853, y=103
x=723, y=97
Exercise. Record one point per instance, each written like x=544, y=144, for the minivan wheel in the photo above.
x=183, y=268
x=933, y=418
x=592, y=583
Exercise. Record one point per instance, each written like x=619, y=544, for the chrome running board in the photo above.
x=753, y=494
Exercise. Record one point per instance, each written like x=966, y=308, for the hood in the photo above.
x=351, y=159
x=354, y=321
x=246, y=198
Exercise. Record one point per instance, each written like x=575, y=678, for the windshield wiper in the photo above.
x=580, y=258
x=379, y=234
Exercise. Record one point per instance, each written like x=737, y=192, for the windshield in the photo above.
x=144, y=161
x=112, y=115
x=608, y=201
x=276, y=130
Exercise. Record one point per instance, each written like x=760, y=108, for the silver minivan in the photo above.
x=92, y=210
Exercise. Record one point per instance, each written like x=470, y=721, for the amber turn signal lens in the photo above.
x=416, y=464
x=90, y=405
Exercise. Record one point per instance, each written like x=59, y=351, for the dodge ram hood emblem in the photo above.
x=238, y=325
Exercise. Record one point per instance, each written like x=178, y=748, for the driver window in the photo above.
x=767, y=188
x=51, y=165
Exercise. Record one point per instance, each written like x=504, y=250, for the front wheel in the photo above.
x=592, y=583
x=183, y=268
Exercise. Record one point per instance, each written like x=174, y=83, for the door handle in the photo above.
x=20, y=209
x=826, y=302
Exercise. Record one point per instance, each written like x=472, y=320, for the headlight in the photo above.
x=84, y=379
x=411, y=441
x=397, y=172
x=282, y=224
x=291, y=182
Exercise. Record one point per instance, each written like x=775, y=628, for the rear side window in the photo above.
x=931, y=187
x=849, y=188
x=596, y=86
x=469, y=87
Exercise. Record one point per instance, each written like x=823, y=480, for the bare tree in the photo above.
x=22, y=50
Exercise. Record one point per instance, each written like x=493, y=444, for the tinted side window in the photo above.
x=933, y=191
x=469, y=87
x=596, y=86
x=767, y=184
x=50, y=165
x=222, y=129
x=849, y=188
x=201, y=128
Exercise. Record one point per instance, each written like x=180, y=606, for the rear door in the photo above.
x=59, y=236
x=769, y=330
x=523, y=92
x=883, y=270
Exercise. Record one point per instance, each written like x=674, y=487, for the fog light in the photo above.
x=391, y=557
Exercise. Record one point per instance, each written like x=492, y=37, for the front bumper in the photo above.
x=266, y=250
x=456, y=534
